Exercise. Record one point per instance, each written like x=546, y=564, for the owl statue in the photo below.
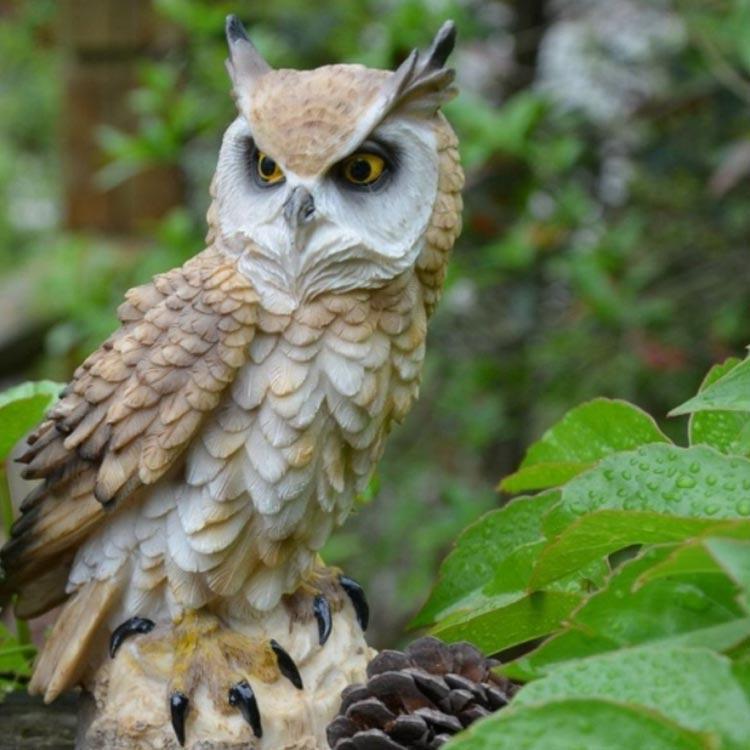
x=200, y=458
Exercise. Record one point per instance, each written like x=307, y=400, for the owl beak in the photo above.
x=299, y=207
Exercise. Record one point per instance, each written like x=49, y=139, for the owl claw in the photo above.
x=286, y=664
x=242, y=696
x=357, y=596
x=178, y=708
x=322, y=612
x=133, y=626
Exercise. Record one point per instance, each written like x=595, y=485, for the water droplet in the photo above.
x=685, y=482
x=695, y=467
x=694, y=600
x=711, y=480
x=743, y=507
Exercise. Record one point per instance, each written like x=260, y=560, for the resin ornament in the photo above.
x=200, y=458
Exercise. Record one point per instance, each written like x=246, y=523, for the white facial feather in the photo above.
x=355, y=240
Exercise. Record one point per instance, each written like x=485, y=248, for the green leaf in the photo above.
x=731, y=392
x=657, y=493
x=507, y=600
x=579, y=440
x=21, y=408
x=529, y=616
x=734, y=557
x=599, y=534
x=727, y=431
x=15, y=660
x=575, y=724
x=479, y=552
x=693, y=556
x=697, y=610
x=693, y=687
x=14, y=657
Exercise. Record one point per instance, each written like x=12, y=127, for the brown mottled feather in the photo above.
x=131, y=409
x=445, y=222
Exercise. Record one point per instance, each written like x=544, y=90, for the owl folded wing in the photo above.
x=131, y=410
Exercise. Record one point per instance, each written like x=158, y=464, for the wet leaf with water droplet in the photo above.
x=696, y=608
x=508, y=623
x=726, y=388
x=579, y=440
x=727, y=431
x=598, y=515
x=733, y=555
x=481, y=550
x=574, y=724
x=694, y=687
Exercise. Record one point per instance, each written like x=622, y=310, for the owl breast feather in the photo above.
x=279, y=463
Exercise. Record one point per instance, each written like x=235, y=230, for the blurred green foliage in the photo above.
x=601, y=256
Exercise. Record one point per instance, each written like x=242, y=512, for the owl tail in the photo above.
x=66, y=653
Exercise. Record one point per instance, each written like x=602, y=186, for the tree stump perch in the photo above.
x=27, y=724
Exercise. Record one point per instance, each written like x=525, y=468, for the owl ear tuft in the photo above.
x=422, y=83
x=245, y=64
x=442, y=45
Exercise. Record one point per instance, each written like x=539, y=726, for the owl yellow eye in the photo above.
x=269, y=171
x=363, y=168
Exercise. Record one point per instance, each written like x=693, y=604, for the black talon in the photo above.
x=242, y=695
x=178, y=708
x=287, y=667
x=322, y=612
x=130, y=627
x=359, y=601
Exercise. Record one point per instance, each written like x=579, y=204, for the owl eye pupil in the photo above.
x=267, y=166
x=360, y=170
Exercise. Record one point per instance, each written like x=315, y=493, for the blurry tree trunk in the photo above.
x=530, y=24
x=104, y=42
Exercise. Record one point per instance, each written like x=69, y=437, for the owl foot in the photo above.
x=227, y=662
x=321, y=607
x=133, y=626
x=358, y=599
x=322, y=612
x=242, y=696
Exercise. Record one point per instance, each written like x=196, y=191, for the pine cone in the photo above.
x=418, y=699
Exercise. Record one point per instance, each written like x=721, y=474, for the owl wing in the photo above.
x=130, y=410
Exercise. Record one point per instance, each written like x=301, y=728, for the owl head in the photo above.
x=328, y=179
